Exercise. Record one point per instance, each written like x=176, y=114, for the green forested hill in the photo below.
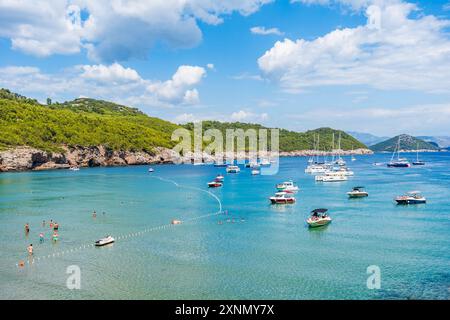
x=291, y=140
x=24, y=122
x=89, y=122
x=406, y=143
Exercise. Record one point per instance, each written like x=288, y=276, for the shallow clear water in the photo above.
x=258, y=252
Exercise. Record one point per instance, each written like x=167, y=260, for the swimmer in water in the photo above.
x=43, y=223
x=55, y=236
x=41, y=237
x=30, y=249
x=51, y=223
x=94, y=214
x=27, y=228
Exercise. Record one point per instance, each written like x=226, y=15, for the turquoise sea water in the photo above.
x=258, y=252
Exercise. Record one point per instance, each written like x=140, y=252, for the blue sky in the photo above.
x=377, y=66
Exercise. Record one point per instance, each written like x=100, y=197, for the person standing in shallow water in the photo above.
x=30, y=249
x=27, y=228
x=94, y=214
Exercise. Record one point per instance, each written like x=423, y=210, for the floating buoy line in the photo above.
x=34, y=260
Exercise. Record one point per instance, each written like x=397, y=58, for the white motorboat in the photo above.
x=332, y=178
x=412, y=197
x=214, y=184
x=219, y=178
x=104, y=241
x=256, y=172
x=287, y=186
x=74, y=169
x=282, y=198
x=318, y=218
x=151, y=170
x=316, y=168
x=233, y=169
x=264, y=163
x=358, y=192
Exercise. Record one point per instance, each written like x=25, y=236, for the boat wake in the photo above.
x=192, y=188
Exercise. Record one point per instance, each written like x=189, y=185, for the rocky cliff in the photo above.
x=26, y=158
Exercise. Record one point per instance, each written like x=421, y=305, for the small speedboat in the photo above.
x=219, y=178
x=287, y=186
x=214, y=184
x=151, y=170
x=358, y=192
x=282, y=198
x=233, y=169
x=220, y=165
x=175, y=221
x=412, y=197
x=74, y=169
x=264, y=163
x=255, y=172
x=331, y=178
x=104, y=241
x=318, y=218
x=418, y=163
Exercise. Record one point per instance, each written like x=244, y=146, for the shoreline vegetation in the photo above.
x=88, y=133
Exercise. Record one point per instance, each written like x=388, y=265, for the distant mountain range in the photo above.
x=407, y=142
x=441, y=141
x=368, y=139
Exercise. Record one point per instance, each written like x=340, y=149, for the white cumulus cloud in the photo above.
x=178, y=89
x=111, y=30
x=243, y=115
x=264, y=32
x=109, y=82
x=392, y=51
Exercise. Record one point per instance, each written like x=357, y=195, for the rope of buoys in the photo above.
x=130, y=235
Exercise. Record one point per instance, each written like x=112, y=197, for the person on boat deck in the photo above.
x=27, y=228
x=30, y=249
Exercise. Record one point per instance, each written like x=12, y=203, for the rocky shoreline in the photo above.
x=27, y=158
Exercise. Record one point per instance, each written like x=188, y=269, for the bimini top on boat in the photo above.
x=412, y=197
x=357, y=192
x=104, y=241
x=318, y=218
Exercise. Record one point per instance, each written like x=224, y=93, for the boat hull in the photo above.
x=282, y=201
x=410, y=201
x=358, y=195
x=318, y=223
x=398, y=165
